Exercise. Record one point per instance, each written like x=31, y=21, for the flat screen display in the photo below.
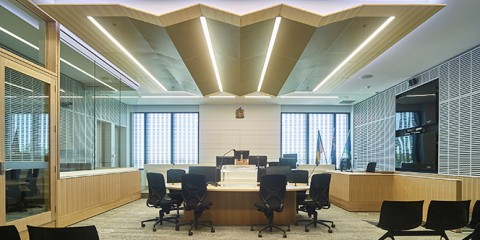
x=416, y=152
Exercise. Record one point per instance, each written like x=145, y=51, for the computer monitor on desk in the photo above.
x=225, y=160
x=210, y=172
x=241, y=154
x=284, y=170
x=291, y=162
x=259, y=161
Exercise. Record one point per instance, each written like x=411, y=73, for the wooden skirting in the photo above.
x=83, y=197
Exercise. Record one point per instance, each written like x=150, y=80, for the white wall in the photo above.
x=220, y=131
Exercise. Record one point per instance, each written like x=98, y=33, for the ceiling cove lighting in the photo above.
x=269, y=51
x=109, y=36
x=86, y=73
x=153, y=97
x=364, y=43
x=206, y=33
x=221, y=96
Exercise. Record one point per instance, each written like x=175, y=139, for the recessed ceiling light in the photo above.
x=269, y=51
x=208, y=40
x=366, y=76
x=357, y=50
x=124, y=50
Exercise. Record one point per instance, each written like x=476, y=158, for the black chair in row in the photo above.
x=175, y=176
x=319, y=194
x=10, y=232
x=474, y=222
x=273, y=188
x=157, y=192
x=399, y=216
x=194, y=190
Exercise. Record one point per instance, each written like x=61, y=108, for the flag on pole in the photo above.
x=319, y=148
x=333, y=152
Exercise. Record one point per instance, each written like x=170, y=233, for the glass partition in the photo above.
x=26, y=145
x=93, y=117
x=22, y=32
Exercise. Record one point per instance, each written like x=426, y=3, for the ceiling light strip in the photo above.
x=170, y=97
x=86, y=73
x=106, y=33
x=257, y=96
x=324, y=97
x=19, y=38
x=269, y=51
x=359, y=48
x=222, y=97
x=206, y=33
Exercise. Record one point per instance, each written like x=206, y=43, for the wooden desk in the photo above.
x=234, y=205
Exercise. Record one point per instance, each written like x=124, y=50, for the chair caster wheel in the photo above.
x=288, y=229
x=330, y=231
x=190, y=233
x=213, y=230
x=307, y=230
x=251, y=228
x=259, y=235
x=143, y=225
x=284, y=235
x=333, y=225
x=177, y=228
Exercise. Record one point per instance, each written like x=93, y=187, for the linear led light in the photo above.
x=364, y=43
x=19, y=38
x=61, y=90
x=86, y=73
x=115, y=97
x=61, y=59
x=216, y=96
x=324, y=97
x=269, y=51
x=104, y=31
x=206, y=33
x=171, y=96
x=18, y=86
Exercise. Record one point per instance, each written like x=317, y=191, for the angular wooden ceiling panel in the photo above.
x=308, y=46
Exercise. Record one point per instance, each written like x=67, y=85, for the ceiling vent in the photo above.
x=347, y=102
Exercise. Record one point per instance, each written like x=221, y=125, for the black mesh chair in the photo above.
x=447, y=215
x=299, y=176
x=70, y=233
x=371, y=167
x=157, y=198
x=475, y=235
x=194, y=190
x=475, y=221
x=319, y=193
x=273, y=189
x=175, y=176
x=9, y=232
x=398, y=216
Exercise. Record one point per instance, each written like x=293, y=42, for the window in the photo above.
x=300, y=133
x=164, y=138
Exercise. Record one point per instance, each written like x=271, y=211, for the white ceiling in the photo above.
x=451, y=31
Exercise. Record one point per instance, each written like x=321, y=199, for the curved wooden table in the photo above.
x=233, y=204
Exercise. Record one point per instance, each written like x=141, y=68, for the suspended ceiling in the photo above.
x=308, y=46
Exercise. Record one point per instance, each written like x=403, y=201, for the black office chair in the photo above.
x=319, y=193
x=194, y=189
x=157, y=198
x=175, y=176
x=9, y=232
x=475, y=235
x=299, y=176
x=273, y=189
x=475, y=221
x=70, y=233
x=398, y=216
x=447, y=215
x=371, y=167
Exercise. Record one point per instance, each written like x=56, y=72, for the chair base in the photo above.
x=271, y=226
x=315, y=222
x=195, y=224
x=392, y=234
x=160, y=220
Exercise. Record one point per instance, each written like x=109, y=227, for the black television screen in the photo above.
x=417, y=107
x=209, y=172
x=416, y=152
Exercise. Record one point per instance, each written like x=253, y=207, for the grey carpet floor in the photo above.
x=123, y=223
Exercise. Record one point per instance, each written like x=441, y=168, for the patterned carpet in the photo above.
x=123, y=223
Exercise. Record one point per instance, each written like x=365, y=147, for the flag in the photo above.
x=319, y=148
x=348, y=147
x=333, y=152
x=15, y=145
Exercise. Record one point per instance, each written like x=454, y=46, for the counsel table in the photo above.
x=233, y=204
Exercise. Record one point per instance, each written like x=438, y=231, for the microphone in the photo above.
x=173, y=166
x=310, y=175
x=223, y=159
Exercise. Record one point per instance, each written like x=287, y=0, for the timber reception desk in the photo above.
x=233, y=204
x=362, y=191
